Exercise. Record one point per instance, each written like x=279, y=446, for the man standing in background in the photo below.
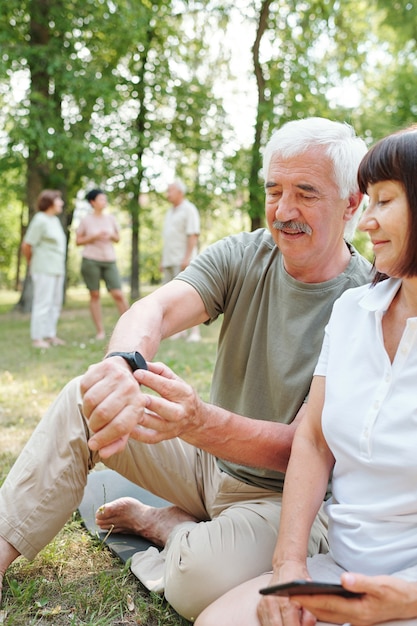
x=180, y=239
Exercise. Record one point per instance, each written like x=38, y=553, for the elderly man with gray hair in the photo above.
x=220, y=463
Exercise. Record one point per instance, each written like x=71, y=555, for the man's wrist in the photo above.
x=134, y=359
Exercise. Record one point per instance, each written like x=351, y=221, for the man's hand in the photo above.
x=117, y=408
x=177, y=410
x=113, y=403
x=385, y=598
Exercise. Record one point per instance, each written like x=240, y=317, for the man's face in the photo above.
x=305, y=213
x=174, y=195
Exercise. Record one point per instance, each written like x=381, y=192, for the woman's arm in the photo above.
x=306, y=480
x=82, y=238
x=27, y=251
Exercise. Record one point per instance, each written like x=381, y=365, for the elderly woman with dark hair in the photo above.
x=44, y=246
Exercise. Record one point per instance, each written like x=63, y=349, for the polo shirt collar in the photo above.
x=379, y=297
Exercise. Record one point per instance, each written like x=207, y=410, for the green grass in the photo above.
x=75, y=580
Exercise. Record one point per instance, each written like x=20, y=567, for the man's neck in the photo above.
x=334, y=265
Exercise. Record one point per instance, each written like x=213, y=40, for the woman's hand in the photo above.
x=280, y=610
x=385, y=598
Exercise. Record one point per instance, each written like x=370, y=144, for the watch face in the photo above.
x=139, y=361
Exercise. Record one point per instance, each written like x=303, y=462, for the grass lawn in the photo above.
x=75, y=580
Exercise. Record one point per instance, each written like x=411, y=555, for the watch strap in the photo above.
x=135, y=360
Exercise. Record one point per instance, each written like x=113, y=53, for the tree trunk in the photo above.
x=256, y=195
x=140, y=128
x=37, y=169
x=134, y=260
x=24, y=305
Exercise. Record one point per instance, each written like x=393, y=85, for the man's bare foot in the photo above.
x=128, y=515
x=7, y=555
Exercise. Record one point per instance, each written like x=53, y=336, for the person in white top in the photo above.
x=44, y=246
x=97, y=232
x=361, y=428
x=180, y=240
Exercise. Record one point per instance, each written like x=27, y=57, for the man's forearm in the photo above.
x=171, y=308
x=242, y=440
x=139, y=328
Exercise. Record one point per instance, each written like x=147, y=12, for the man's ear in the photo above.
x=354, y=202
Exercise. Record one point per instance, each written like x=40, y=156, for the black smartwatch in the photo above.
x=135, y=359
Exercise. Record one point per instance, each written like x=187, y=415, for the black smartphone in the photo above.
x=309, y=587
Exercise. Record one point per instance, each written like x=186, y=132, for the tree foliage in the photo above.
x=301, y=51
x=125, y=94
x=389, y=72
x=105, y=92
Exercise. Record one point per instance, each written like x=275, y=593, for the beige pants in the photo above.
x=233, y=542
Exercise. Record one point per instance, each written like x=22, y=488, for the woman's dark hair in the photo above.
x=46, y=199
x=93, y=193
x=395, y=158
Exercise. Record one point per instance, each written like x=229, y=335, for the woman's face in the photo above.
x=387, y=220
x=58, y=205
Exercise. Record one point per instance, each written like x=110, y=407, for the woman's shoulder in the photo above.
x=350, y=298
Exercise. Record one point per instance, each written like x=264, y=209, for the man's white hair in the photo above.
x=342, y=146
x=180, y=185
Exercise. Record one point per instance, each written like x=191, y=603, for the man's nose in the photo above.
x=287, y=208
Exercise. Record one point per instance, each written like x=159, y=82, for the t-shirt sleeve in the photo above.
x=211, y=275
x=34, y=232
x=81, y=228
x=193, y=221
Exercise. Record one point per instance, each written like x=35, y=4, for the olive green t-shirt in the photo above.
x=271, y=334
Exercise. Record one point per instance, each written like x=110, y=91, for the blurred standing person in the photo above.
x=97, y=232
x=44, y=246
x=180, y=239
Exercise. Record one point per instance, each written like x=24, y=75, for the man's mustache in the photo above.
x=291, y=225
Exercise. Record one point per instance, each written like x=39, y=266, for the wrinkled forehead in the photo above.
x=312, y=167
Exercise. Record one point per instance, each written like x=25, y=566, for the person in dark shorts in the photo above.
x=98, y=232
